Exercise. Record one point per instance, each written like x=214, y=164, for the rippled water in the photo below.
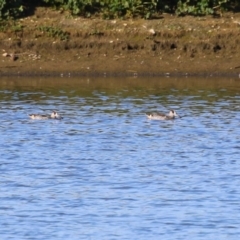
x=106, y=172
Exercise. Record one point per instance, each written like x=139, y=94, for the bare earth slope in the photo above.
x=51, y=42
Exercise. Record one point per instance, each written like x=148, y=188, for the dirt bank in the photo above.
x=54, y=42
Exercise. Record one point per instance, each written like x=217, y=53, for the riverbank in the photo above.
x=52, y=42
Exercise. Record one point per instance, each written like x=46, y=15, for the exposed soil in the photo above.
x=54, y=42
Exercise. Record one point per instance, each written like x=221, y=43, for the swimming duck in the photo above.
x=53, y=115
x=160, y=116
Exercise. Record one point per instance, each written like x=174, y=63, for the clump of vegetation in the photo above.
x=144, y=8
x=11, y=9
x=107, y=8
x=54, y=32
x=119, y=9
x=10, y=26
x=201, y=7
x=116, y=9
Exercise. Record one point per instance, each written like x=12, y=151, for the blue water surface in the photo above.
x=107, y=172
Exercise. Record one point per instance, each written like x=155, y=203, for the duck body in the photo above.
x=53, y=115
x=161, y=116
x=39, y=116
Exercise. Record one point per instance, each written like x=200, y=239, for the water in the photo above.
x=106, y=172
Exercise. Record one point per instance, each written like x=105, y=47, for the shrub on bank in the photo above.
x=121, y=8
x=13, y=8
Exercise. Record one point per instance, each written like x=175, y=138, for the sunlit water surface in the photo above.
x=107, y=172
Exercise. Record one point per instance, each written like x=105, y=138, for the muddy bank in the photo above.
x=51, y=42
